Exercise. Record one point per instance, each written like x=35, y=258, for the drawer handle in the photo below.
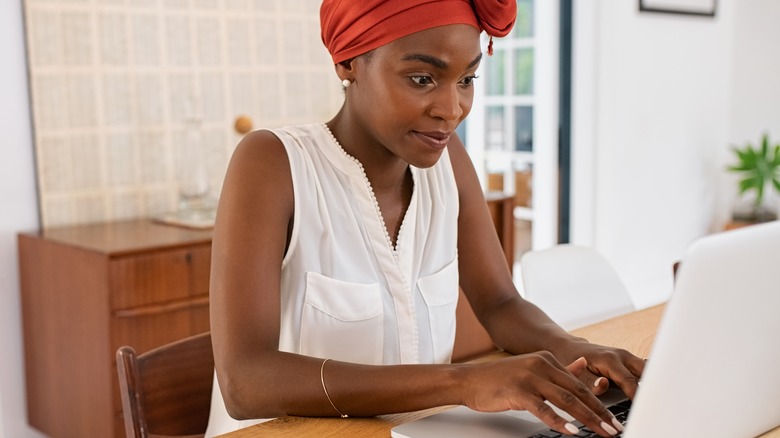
x=157, y=309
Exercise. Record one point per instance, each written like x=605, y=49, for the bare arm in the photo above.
x=514, y=324
x=485, y=276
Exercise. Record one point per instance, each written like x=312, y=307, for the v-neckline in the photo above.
x=398, y=245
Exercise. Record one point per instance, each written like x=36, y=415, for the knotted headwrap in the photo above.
x=354, y=27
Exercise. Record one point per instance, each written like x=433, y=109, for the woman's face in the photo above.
x=411, y=94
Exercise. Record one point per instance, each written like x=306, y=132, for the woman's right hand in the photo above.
x=526, y=382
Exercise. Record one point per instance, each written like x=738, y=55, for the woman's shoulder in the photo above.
x=311, y=132
x=274, y=140
x=261, y=147
x=258, y=174
x=264, y=156
x=293, y=138
x=271, y=151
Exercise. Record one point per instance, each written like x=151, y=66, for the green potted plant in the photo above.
x=759, y=172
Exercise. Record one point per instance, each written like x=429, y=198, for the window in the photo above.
x=512, y=131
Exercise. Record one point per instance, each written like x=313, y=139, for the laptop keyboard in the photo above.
x=619, y=410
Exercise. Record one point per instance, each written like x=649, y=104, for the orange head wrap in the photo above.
x=354, y=27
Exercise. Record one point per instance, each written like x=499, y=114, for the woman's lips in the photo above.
x=435, y=139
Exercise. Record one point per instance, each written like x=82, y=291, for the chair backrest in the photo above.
x=574, y=285
x=167, y=391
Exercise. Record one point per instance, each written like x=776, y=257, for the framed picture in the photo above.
x=686, y=7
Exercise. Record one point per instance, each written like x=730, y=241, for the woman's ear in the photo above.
x=346, y=69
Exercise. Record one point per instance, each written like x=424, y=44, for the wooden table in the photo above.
x=634, y=332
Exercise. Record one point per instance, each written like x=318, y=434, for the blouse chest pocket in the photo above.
x=342, y=320
x=440, y=292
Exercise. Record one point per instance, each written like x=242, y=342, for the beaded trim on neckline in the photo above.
x=393, y=247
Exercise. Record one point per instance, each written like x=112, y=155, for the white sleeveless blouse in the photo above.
x=347, y=293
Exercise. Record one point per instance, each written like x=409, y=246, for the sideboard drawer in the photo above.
x=148, y=327
x=155, y=278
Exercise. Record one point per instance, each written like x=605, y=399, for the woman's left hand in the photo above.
x=604, y=363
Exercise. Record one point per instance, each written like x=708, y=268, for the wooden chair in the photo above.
x=167, y=391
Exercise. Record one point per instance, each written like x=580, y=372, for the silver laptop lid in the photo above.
x=714, y=369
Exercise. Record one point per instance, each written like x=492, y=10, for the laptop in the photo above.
x=714, y=369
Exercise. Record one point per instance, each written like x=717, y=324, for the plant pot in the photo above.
x=755, y=216
x=746, y=210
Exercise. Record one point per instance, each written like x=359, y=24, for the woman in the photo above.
x=339, y=247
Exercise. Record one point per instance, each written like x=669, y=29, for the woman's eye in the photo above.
x=468, y=80
x=421, y=80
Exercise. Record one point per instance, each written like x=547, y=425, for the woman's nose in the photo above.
x=447, y=104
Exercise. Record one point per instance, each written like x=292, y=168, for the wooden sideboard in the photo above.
x=86, y=291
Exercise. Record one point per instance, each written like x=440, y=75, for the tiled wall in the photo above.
x=121, y=87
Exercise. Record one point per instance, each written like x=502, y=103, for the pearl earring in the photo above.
x=346, y=83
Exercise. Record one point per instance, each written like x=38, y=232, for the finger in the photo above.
x=597, y=384
x=573, y=397
x=600, y=385
x=578, y=366
x=620, y=373
x=555, y=383
x=587, y=408
x=544, y=412
x=636, y=365
x=630, y=382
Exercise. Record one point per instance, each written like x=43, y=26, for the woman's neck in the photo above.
x=385, y=171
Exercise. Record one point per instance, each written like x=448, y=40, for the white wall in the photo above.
x=658, y=99
x=18, y=211
x=756, y=72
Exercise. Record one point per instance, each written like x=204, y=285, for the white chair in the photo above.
x=574, y=285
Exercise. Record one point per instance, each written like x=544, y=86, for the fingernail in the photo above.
x=617, y=424
x=598, y=381
x=610, y=430
x=571, y=428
